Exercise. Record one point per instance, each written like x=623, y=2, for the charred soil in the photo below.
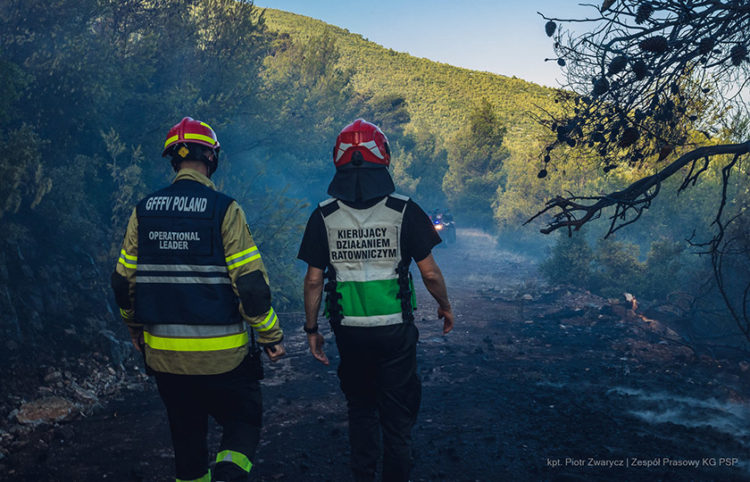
x=535, y=382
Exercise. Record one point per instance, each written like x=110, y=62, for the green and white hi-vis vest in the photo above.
x=364, y=248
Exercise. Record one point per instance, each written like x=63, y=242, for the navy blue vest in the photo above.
x=182, y=275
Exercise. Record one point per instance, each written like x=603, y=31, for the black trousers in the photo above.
x=378, y=374
x=233, y=399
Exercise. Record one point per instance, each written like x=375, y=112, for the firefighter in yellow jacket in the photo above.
x=188, y=279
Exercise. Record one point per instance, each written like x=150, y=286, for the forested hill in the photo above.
x=89, y=89
x=439, y=96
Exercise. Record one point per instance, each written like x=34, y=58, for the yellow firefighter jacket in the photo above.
x=202, y=349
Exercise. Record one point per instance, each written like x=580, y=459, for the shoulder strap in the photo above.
x=397, y=202
x=328, y=207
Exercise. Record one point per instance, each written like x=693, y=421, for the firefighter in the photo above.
x=188, y=279
x=358, y=246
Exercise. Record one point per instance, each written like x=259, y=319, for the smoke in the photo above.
x=728, y=417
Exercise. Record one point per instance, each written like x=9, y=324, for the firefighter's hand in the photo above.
x=136, y=337
x=447, y=315
x=275, y=352
x=316, y=342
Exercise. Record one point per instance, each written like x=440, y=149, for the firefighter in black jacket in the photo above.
x=362, y=241
x=188, y=280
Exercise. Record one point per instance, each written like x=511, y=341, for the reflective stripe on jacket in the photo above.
x=182, y=275
x=203, y=348
x=194, y=338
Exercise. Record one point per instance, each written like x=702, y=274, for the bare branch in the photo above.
x=641, y=83
x=635, y=197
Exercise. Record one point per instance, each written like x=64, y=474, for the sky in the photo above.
x=503, y=37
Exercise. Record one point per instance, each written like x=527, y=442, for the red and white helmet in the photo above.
x=190, y=131
x=365, y=138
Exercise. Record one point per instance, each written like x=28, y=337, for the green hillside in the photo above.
x=439, y=96
x=90, y=88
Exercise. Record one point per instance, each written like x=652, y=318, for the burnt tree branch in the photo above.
x=636, y=197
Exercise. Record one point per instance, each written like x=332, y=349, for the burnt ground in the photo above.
x=534, y=383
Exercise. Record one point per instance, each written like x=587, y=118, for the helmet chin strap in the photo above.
x=189, y=151
x=211, y=165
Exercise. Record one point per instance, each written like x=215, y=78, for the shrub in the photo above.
x=617, y=269
x=614, y=267
x=665, y=268
x=570, y=262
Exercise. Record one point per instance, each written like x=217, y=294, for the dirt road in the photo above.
x=534, y=383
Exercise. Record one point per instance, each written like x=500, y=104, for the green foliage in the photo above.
x=439, y=95
x=390, y=112
x=525, y=193
x=12, y=82
x=93, y=78
x=617, y=269
x=76, y=210
x=24, y=181
x=127, y=180
x=439, y=100
x=475, y=160
x=421, y=157
x=276, y=222
x=614, y=267
x=571, y=261
x=307, y=100
x=88, y=89
x=664, y=268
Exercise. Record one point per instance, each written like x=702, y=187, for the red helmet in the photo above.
x=365, y=138
x=190, y=131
